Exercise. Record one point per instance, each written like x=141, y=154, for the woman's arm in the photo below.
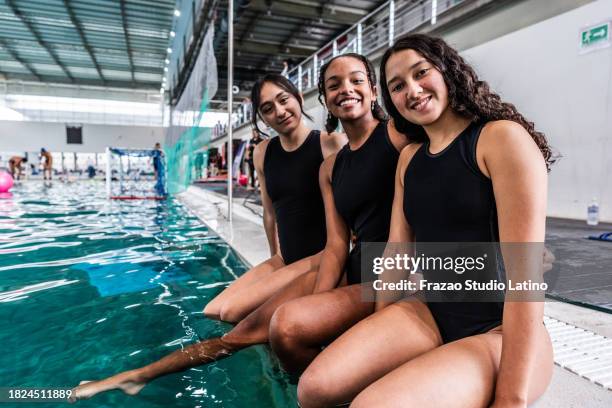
x=331, y=143
x=400, y=231
x=518, y=172
x=335, y=252
x=269, y=217
x=399, y=140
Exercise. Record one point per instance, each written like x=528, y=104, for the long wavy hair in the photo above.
x=331, y=123
x=468, y=96
x=282, y=83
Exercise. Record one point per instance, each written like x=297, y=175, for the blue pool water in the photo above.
x=90, y=287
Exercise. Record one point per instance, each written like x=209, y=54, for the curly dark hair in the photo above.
x=332, y=122
x=282, y=83
x=468, y=96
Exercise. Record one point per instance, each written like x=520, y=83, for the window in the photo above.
x=74, y=134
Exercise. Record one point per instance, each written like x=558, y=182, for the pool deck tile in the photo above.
x=245, y=233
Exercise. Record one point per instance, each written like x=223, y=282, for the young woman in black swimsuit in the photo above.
x=475, y=172
x=294, y=218
x=357, y=187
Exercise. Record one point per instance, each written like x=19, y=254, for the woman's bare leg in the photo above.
x=465, y=369
x=251, y=330
x=243, y=301
x=301, y=327
x=213, y=308
x=367, y=351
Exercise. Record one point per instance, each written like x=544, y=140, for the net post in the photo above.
x=121, y=189
x=108, y=172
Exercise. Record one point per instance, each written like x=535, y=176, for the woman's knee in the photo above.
x=317, y=389
x=369, y=398
x=365, y=399
x=378, y=394
x=212, y=310
x=230, y=313
x=284, y=328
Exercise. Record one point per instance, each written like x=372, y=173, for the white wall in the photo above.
x=31, y=136
x=567, y=95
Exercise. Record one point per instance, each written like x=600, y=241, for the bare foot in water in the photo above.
x=128, y=382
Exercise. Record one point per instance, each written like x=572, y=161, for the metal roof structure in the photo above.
x=109, y=43
x=134, y=44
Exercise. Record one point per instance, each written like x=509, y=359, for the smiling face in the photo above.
x=279, y=109
x=416, y=86
x=348, y=92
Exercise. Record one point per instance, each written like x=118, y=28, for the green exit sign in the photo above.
x=595, y=35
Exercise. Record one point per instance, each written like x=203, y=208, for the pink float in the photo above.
x=6, y=182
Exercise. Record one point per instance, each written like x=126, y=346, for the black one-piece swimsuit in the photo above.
x=292, y=182
x=448, y=199
x=363, y=182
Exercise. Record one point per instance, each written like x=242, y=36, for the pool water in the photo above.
x=90, y=287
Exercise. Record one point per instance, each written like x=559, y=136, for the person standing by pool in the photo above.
x=479, y=153
x=294, y=220
x=159, y=170
x=47, y=164
x=15, y=163
x=255, y=140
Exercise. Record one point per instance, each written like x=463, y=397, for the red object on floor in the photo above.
x=243, y=180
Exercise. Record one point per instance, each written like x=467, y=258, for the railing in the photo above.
x=375, y=31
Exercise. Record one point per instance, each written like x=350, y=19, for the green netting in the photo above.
x=185, y=140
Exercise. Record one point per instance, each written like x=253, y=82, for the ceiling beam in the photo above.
x=152, y=54
x=22, y=46
x=125, y=34
x=245, y=73
x=271, y=48
x=38, y=38
x=77, y=26
x=249, y=27
x=19, y=59
x=298, y=29
x=308, y=9
x=60, y=79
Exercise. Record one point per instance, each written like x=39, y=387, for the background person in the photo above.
x=47, y=163
x=15, y=163
x=159, y=170
x=255, y=140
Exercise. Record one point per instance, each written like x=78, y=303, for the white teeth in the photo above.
x=421, y=104
x=349, y=101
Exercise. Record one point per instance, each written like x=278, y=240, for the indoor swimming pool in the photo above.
x=90, y=287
